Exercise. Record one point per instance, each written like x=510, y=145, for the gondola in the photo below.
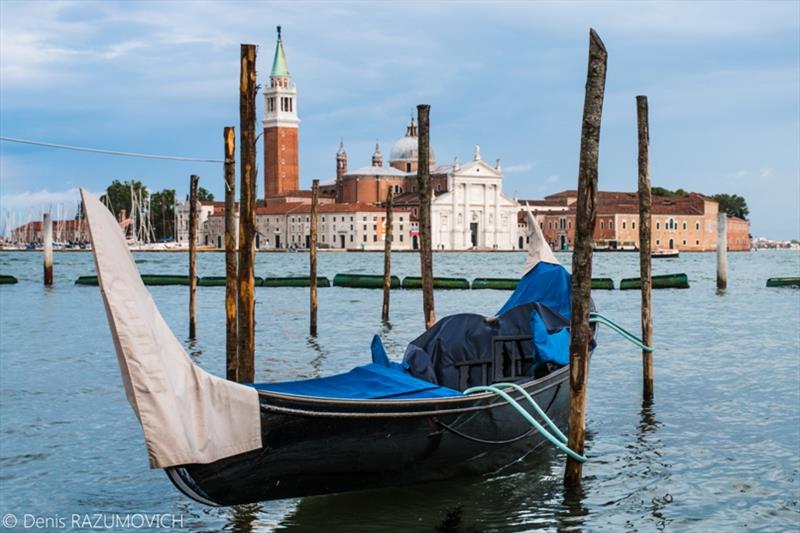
x=380, y=424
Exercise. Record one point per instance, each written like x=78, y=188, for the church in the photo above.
x=468, y=208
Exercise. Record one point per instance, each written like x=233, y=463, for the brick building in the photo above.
x=685, y=222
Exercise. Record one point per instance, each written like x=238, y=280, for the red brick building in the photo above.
x=686, y=222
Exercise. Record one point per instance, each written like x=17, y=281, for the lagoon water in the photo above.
x=719, y=449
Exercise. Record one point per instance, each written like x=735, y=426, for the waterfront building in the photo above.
x=683, y=222
x=207, y=207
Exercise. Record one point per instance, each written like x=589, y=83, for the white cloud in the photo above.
x=522, y=167
x=42, y=199
x=552, y=179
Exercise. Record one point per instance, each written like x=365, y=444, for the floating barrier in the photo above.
x=301, y=281
x=7, y=280
x=510, y=284
x=148, y=279
x=603, y=283
x=363, y=281
x=503, y=284
x=415, y=282
x=667, y=281
x=781, y=282
x=218, y=281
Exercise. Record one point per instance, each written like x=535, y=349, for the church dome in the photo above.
x=405, y=149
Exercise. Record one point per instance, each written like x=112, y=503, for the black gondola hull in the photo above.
x=319, y=446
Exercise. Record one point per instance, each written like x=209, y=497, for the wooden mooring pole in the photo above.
x=387, y=257
x=231, y=341
x=247, y=215
x=580, y=332
x=47, y=249
x=722, y=251
x=645, y=224
x=193, y=181
x=312, y=259
x=424, y=187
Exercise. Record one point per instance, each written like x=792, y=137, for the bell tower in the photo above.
x=281, y=168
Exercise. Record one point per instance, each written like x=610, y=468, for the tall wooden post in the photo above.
x=585, y=215
x=247, y=214
x=193, y=181
x=387, y=257
x=424, y=187
x=231, y=341
x=645, y=205
x=722, y=251
x=47, y=249
x=312, y=258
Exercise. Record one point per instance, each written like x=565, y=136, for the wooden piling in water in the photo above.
x=193, y=181
x=387, y=258
x=722, y=251
x=312, y=259
x=231, y=341
x=424, y=188
x=47, y=249
x=247, y=214
x=580, y=332
x=645, y=225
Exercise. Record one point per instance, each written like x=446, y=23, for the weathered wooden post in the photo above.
x=722, y=251
x=47, y=248
x=645, y=204
x=424, y=187
x=231, y=341
x=193, y=181
x=580, y=332
x=312, y=258
x=247, y=214
x=387, y=258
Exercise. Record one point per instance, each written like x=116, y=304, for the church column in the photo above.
x=467, y=240
x=485, y=218
x=453, y=215
x=497, y=216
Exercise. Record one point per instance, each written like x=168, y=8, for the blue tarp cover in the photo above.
x=368, y=382
x=546, y=284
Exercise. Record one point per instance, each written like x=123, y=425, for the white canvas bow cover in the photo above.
x=187, y=414
x=538, y=249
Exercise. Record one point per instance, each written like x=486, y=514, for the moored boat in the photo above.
x=472, y=394
x=664, y=254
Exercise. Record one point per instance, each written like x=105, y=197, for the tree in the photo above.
x=732, y=204
x=162, y=214
x=118, y=196
x=661, y=191
x=203, y=195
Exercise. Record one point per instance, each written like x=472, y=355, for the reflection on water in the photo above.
x=717, y=451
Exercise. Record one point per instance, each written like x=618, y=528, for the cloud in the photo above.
x=42, y=199
x=522, y=167
x=766, y=172
x=552, y=179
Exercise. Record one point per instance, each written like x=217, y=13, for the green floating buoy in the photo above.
x=148, y=279
x=784, y=282
x=666, y=281
x=415, y=282
x=7, y=280
x=363, y=281
x=603, y=283
x=219, y=281
x=299, y=281
x=503, y=284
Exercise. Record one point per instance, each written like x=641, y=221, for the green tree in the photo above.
x=162, y=214
x=119, y=195
x=733, y=204
x=661, y=191
x=203, y=195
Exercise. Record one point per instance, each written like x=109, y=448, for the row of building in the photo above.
x=468, y=210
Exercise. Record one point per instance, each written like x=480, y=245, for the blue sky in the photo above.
x=723, y=81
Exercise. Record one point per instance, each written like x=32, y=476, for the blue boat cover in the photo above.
x=368, y=382
x=547, y=284
x=538, y=308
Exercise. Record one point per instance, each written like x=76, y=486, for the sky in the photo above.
x=722, y=80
